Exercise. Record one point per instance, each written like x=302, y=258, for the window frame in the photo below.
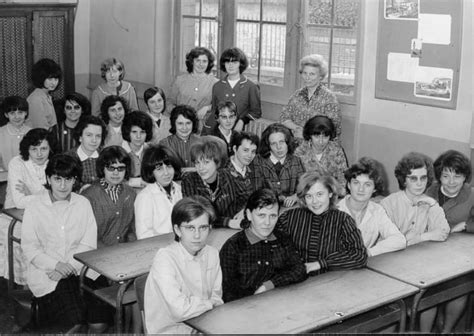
x=295, y=30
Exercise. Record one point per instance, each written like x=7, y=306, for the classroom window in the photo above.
x=331, y=31
x=275, y=34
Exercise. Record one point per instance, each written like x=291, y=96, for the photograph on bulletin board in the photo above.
x=401, y=9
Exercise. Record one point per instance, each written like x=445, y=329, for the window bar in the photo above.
x=259, y=51
x=331, y=37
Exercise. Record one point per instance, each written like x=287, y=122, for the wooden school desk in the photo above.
x=444, y=269
x=315, y=303
x=122, y=263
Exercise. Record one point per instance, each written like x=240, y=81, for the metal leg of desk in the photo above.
x=119, y=307
x=403, y=315
x=414, y=309
x=11, y=259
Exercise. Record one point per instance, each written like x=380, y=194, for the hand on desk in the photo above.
x=312, y=266
x=260, y=289
x=290, y=201
x=54, y=275
x=65, y=269
x=234, y=223
x=459, y=227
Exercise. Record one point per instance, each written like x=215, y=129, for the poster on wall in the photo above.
x=433, y=83
x=419, y=51
x=401, y=9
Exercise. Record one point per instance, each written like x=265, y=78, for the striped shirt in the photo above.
x=181, y=147
x=331, y=238
x=66, y=137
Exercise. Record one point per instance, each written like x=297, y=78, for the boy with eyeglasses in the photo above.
x=226, y=116
x=57, y=224
x=185, y=278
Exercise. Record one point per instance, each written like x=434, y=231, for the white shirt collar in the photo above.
x=275, y=160
x=83, y=156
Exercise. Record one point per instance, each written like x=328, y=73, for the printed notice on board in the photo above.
x=401, y=9
x=434, y=28
x=401, y=67
x=433, y=83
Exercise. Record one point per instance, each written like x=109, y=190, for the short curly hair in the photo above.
x=79, y=99
x=308, y=179
x=371, y=168
x=410, y=161
x=13, y=103
x=43, y=69
x=86, y=121
x=455, y=161
x=195, y=53
x=64, y=165
x=319, y=124
x=109, y=63
x=187, y=112
x=155, y=155
x=209, y=150
x=34, y=137
x=111, y=155
x=234, y=54
x=110, y=101
x=316, y=61
x=276, y=128
x=140, y=119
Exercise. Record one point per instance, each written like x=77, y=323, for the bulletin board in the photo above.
x=419, y=51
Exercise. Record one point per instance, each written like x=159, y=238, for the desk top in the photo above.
x=428, y=263
x=317, y=302
x=14, y=213
x=129, y=260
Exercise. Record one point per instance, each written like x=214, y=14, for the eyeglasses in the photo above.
x=224, y=117
x=71, y=107
x=119, y=168
x=192, y=229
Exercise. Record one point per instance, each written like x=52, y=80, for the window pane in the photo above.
x=189, y=38
x=318, y=41
x=247, y=36
x=274, y=10
x=343, y=61
x=209, y=35
x=273, y=54
x=319, y=12
x=346, y=13
x=248, y=10
x=210, y=8
x=190, y=7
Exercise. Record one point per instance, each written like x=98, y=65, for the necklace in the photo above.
x=18, y=132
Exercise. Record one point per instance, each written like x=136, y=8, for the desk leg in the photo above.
x=81, y=280
x=118, y=308
x=11, y=259
x=414, y=309
x=403, y=316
